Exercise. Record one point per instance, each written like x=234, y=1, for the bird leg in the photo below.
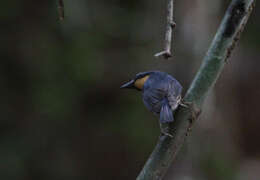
x=185, y=103
x=165, y=129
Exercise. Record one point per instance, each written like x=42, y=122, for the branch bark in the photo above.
x=166, y=53
x=61, y=9
x=219, y=51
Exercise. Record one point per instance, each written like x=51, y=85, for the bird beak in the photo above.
x=129, y=84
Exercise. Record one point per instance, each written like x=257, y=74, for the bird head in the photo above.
x=138, y=82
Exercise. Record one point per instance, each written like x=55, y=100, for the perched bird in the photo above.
x=161, y=93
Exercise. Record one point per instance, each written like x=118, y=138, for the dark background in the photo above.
x=63, y=115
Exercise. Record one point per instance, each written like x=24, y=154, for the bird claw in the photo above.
x=195, y=111
x=185, y=104
x=164, y=130
x=166, y=134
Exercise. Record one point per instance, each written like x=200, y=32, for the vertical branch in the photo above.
x=61, y=9
x=166, y=53
x=169, y=28
x=226, y=38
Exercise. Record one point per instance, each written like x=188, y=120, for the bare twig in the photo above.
x=220, y=49
x=166, y=53
x=61, y=9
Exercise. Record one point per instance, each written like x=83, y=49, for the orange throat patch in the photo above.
x=139, y=83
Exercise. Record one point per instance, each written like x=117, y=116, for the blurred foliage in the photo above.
x=63, y=115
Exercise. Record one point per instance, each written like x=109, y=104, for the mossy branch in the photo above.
x=219, y=51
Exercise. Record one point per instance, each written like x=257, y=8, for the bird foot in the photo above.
x=166, y=134
x=195, y=111
x=185, y=104
x=165, y=130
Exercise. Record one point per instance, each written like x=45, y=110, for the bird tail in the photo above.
x=166, y=112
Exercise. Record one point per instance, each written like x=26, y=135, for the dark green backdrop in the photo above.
x=63, y=116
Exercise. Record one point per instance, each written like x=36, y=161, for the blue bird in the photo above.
x=160, y=91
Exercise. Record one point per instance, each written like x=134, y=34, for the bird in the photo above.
x=161, y=94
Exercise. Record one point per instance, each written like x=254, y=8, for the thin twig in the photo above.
x=166, y=53
x=61, y=9
x=220, y=49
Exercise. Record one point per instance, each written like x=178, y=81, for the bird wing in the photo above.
x=152, y=100
x=174, y=93
x=166, y=112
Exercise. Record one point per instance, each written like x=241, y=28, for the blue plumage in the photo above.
x=166, y=112
x=161, y=93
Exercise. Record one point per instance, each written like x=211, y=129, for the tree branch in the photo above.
x=166, y=53
x=220, y=49
x=61, y=9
